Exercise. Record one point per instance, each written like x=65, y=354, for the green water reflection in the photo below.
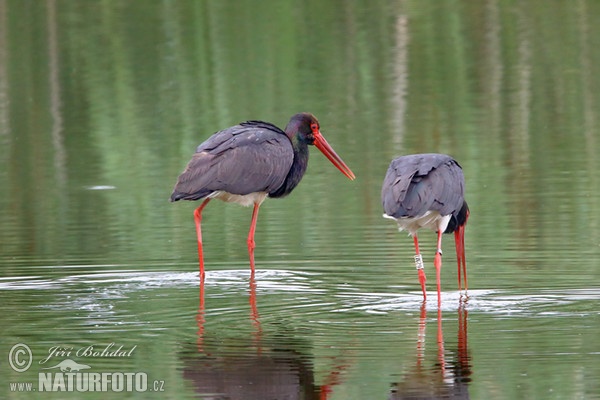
x=103, y=102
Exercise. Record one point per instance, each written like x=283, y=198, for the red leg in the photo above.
x=458, y=256
x=420, y=267
x=459, y=238
x=198, y=220
x=250, y=241
x=437, y=262
x=464, y=257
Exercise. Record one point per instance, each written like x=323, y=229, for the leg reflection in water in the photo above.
x=254, y=365
x=449, y=376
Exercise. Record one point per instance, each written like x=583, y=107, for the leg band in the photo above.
x=419, y=261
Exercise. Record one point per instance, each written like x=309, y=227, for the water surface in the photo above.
x=103, y=103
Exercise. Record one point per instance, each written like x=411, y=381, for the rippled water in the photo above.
x=304, y=334
x=102, y=105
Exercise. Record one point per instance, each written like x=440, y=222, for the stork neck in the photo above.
x=297, y=169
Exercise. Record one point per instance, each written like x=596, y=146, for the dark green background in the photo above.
x=103, y=102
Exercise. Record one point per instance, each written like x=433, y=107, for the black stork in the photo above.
x=249, y=162
x=427, y=191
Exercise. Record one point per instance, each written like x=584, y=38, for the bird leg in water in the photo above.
x=198, y=220
x=459, y=239
x=420, y=266
x=437, y=262
x=251, y=244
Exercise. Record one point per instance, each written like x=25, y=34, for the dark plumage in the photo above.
x=248, y=162
x=253, y=156
x=427, y=190
x=418, y=183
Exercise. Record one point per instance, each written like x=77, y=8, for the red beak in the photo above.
x=328, y=151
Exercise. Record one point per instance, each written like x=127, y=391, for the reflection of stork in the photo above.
x=249, y=162
x=253, y=368
x=427, y=191
x=447, y=379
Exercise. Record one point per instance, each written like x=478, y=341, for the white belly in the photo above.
x=431, y=220
x=244, y=200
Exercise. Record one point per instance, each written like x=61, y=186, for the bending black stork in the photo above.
x=427, y=191
x=246, y=163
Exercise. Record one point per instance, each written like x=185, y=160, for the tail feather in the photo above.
x=176, y=196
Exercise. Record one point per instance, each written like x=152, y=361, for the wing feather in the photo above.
x=419, y=183
x=243, y=159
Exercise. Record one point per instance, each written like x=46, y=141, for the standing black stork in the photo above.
x=247, y=162
x=427, y=191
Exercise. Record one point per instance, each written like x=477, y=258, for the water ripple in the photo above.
x=304, y=290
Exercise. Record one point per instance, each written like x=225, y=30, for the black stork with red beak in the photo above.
x=249, y=162
x=427, y=191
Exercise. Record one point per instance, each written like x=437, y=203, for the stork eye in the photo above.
x=314, y=128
